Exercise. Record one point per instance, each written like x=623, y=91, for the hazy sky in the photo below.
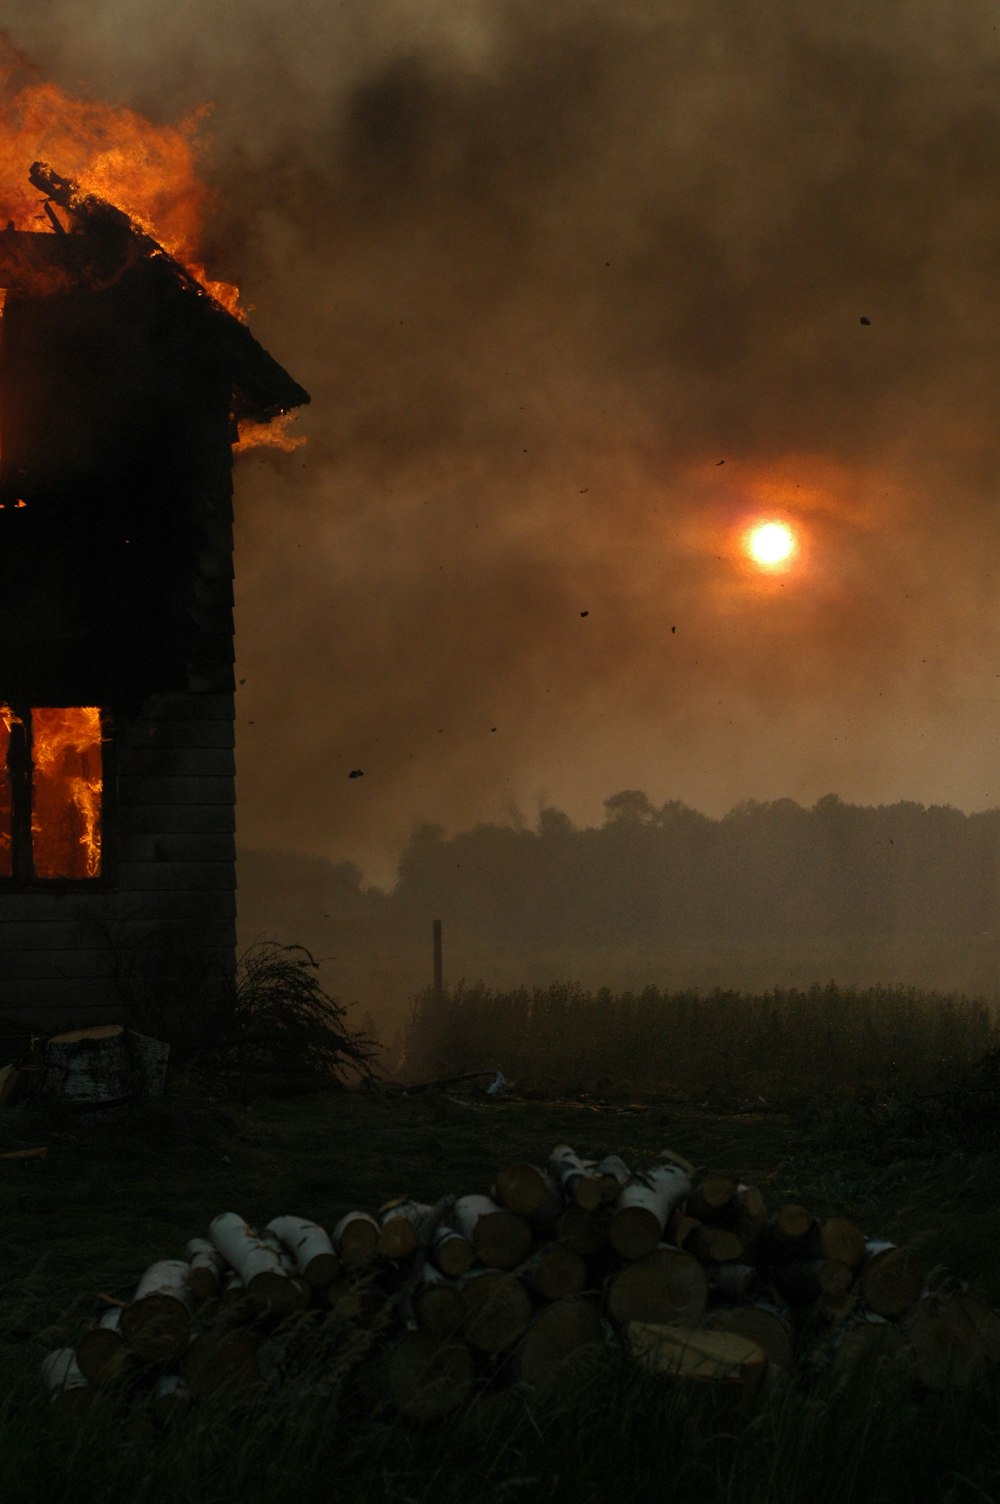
x=542, y=268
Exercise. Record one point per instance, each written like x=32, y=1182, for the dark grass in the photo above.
x=109, y=1199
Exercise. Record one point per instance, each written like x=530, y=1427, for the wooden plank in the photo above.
x=202, y=846
x=147, y=790
x=92, y=965
x=55, y=935
x=176, y=762
x=146, y=733
x=178, y=819
x=182, y=705
x=194, y=877
x=110, y=907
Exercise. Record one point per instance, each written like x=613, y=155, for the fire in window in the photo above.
x=51, y=783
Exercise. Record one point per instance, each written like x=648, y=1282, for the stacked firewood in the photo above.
x=691, y=1272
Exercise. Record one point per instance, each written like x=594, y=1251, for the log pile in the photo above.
x=417, y=1306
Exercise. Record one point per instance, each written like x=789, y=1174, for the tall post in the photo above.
x=438, y=965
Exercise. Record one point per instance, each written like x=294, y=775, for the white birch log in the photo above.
x=355, y=1239
x=67, y=1386
x=258, y=1264
x=530, y=1192
x=207, y=1267
x=437, y=1303
x=101, y=1354
x=891, y=1279
x=156, y=1324
x=148, y=1058
x=310, y=1246
x=501, y=1238
x=642, y=1209
x=399, y=1227
x=450, y=1252
x=580, y=1187
x=614, y=1173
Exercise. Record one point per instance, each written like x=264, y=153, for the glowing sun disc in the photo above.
x=770, y=544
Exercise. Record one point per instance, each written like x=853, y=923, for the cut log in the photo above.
x=311, y=1248
x=761, y=1320
x=949, y=1352
x=865, y=1341
x=580, y=1187
x=891, y=1278
x=750, y=1214
x=450, y=1252
x=437, y=1303
x=667, y=1285
x=496, y=1309
x=207, y=1270
x=843, y=1240
x=258, y=1263
x=221, y=1363
x=156, y=1325
x=101, y=1354
x=170, y=1401
x=643, y=1208
x=90, y=1070
x=355, y=1239
x=679, y=1228
x=556, y=1332
x=615, y=1174
x=530, y=1192
x=669, y=1157
x=399, y=1227
x=501, y=1238
x=712, y=1200
x=713, y=1245
x=68, y=1389
x=584, y=1231
x=428, y=1376
x=554, y=1270
x=694, y=1353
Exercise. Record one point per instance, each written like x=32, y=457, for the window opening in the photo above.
x=50, y=792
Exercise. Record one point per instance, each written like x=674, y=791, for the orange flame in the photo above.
x=275, y=434
x=147, y=170
x=66, y=793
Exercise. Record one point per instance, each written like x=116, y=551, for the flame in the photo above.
x=275, y=433
x=148, y=171
x=66, y=794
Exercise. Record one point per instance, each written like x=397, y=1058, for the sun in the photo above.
x=770, y=545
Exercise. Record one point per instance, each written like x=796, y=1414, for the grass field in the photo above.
x=108, y=1200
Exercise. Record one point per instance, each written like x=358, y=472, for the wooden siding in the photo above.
x=156, y=946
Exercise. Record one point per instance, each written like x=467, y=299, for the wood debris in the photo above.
x=688, y=1271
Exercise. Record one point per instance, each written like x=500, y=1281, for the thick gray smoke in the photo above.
x=543, y=268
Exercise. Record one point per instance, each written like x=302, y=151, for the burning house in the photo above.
x=122, y=385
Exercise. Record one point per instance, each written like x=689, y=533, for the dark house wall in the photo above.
x=117, y=393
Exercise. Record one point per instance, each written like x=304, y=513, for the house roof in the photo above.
x=101, y=246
